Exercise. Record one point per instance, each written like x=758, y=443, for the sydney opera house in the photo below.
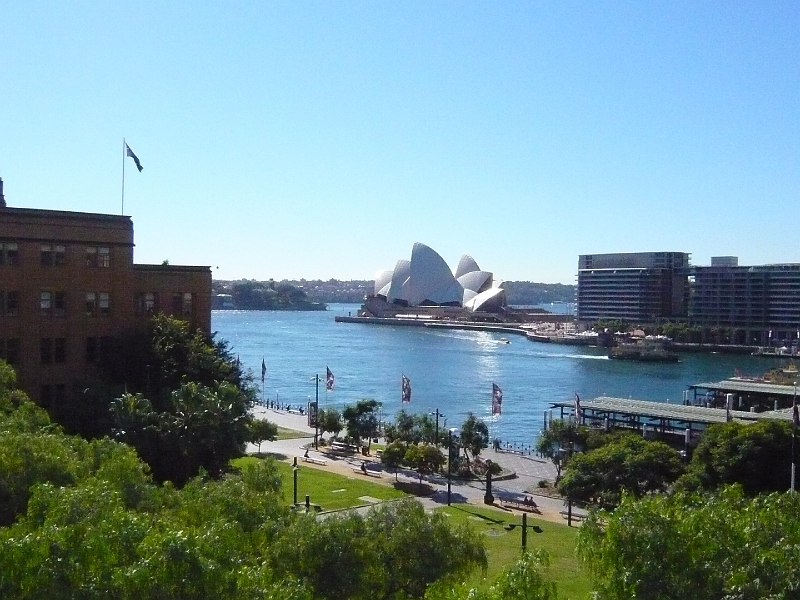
x=427, y=282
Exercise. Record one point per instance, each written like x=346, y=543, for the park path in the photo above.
x=529, y=469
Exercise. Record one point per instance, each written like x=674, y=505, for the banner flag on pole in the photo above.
x=497, y=400
x=578, y=409
x=263, y=370
x=405, y=389
x=329, y=379
x=795, y=417
x=134, y=157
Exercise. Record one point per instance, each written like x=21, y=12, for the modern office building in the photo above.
x=640, y=287
x=757, y=305
x=68, y=286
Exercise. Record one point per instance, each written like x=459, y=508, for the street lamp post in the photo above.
x=449, y=462
x=536, y=529
x=316, y=411
x=436, y=430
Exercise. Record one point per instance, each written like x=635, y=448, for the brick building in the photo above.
x=68, y=285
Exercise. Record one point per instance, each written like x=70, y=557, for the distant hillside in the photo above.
x=300, y=292
x=527, y=292
x=261, y=295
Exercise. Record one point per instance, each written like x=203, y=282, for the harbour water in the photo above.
x=450, y=370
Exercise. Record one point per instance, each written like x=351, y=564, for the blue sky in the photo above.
x=322, y=139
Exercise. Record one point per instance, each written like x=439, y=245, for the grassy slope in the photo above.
x=334, y=492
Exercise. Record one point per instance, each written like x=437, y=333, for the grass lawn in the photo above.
x=290, y=434
x=504, y=547
x=330, y=490
x=333, y=491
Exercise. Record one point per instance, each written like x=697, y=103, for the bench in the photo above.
x=342, y=447
x=575, y=516
x=315, y=461
x=517, y=504
x=368, y=472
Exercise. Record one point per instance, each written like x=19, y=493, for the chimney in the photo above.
x=2, y=198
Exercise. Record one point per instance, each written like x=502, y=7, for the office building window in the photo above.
x=45, y=302
x=98, y=256
x=60, y=350
x=9, y=253
x=46, y=351
x=98, y=303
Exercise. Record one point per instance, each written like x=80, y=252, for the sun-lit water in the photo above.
x=449, y=370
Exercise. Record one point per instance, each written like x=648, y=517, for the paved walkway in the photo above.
x=530, y=470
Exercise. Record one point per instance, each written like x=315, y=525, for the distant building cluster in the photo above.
x=427, y=281
x=756, y=304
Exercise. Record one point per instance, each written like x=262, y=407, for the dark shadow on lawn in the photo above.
x=465, y=509
x=413, y=488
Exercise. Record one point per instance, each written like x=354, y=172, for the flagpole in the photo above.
x=122, y=210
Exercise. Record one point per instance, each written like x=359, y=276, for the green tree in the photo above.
x=424, y=459
x=329, y=420
x=202, y=428
x=627, y=463
x=474, y=436
x=361, y=420
x=559, y=441
x=757, y=456
x=396, y=551
x=261, y=430
x=393, y=456
x=671, y=547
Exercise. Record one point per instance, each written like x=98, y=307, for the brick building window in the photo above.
x=91, y=349
x=9, y=350
x=45, y=302
x=98, y=303
x=53, y=255
x=9, y=253
x=145, y=303
x=182, y=304
x=98, y=256
x=12, y=304
x=59, y=304
x=60, y=350
x=186, y=304
x=46, y=351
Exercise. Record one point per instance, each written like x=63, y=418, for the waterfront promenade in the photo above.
x=529, y=469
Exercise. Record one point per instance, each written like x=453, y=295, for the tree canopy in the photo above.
x=757, y=456
x=625, y=463
x=672, y=547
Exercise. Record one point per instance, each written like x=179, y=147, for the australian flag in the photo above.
x=405, y=389
x=497, y=399
x=263, y=370
x=329, y=379
x=578, y=409
x=134, y=157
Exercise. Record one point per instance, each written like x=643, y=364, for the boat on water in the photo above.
x=643, y=351
x=782, y=352
x=504, y=341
